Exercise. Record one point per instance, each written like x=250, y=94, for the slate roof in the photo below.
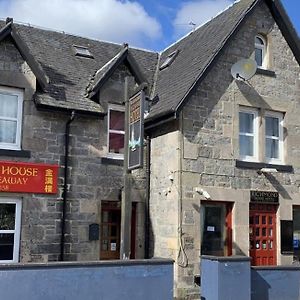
x=68, y=81
x=70, y=75
x=197, y=51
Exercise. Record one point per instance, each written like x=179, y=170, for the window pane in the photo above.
x=8, y=106
x=7, y=216
x=272, y=126
x=8, y=131
x=6, y=246
x=117, y=120
x=246, y=145
x=258, y=41
x=258, y=57
x=116, y=143
x=246, y=122
x=272, y=148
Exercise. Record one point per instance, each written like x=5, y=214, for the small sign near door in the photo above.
x=264, y=197
x=113, y=246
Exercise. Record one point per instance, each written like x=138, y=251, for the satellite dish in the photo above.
x=244, y=69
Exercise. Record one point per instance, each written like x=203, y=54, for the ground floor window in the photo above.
x=216, y=228
x=296, y=232
x=10, y=223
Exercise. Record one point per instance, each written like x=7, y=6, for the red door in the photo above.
x=262, y=223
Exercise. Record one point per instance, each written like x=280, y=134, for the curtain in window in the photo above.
x=272, y=137
x=8, y=118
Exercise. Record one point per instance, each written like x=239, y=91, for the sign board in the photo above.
x=264, y=197
x=136, y=130
x=28, y=177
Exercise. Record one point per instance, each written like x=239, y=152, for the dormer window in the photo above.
x=82, y=51
x=260, y=51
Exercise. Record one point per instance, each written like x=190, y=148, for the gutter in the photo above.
x=65, y=190
x=147, y=213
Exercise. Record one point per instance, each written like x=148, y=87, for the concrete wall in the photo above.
x=275, y=283
x=127, y=280
x=92, y=176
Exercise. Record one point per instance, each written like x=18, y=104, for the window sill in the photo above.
x=15, y=153
x=112, y=161
x=258, y=165
x=265, y=72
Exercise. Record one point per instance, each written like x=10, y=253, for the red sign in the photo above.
x=28, y=177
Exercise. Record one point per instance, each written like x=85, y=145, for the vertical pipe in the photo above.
x=65, y=190
x=147, y=214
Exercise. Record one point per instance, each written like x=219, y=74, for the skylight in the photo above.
x=82, y=51
x=170, y=58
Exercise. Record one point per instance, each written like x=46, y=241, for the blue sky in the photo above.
x=147, y=24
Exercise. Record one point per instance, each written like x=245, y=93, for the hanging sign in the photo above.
x=136, y=131
x=28, y=177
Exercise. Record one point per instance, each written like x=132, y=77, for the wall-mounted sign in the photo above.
x=28, y=177
x=136, y=130
x=264, y=197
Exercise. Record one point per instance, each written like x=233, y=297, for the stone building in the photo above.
x=222, y=150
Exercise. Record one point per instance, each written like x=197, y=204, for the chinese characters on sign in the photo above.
x=28, y=178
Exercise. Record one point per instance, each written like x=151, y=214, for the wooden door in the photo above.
x=262, y=234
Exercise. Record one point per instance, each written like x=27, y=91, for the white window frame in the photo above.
x=17, y=229
x=19, y=93
x=263, y=49
x=254, y=112
x=114, y=107
x=279, y=116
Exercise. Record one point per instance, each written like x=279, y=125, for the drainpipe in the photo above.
x=147, y=215
x=65, y=190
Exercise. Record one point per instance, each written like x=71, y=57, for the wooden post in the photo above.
x=126, y=206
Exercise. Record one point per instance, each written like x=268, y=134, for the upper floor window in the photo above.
x=10, y=224
x=260, y=51
x=248, y=133
x=273, y=137
x=11, y=105
x=116, y=131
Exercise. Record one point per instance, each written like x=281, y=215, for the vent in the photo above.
x=82, y=51
x=168, y=61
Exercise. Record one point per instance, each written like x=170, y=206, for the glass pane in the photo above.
x=264, y=231
x=270, y=232
x=7, y=216
x=251, y=244
x=116, y=120
x=6, y=246
x=256, y=219
x=8, y=106
x=104, y=230
x=257, y=231
x=258, y=57
x=270, y=220
x=271, y=245
x=264, y=244
x=272, y=148
x=257, y=244
x=113, y=231
x=263, y=220
x=246, y=145
x=246, y=122
x=258, y=41
x=116, y=143
x=8, y=131
x=272, y=126
x=105, y=245
x=213, y=230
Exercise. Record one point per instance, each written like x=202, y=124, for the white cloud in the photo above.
x=197, y=12
x=110, y=20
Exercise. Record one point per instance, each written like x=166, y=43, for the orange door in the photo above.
x=262, y=223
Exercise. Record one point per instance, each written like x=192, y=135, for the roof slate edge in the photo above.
x=285, y=25
x=213, y=57
x=5, y=31
x=34, y=65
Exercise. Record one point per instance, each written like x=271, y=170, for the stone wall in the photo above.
x=92, y=176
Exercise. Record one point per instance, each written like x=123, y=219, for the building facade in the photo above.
x=221, y=172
